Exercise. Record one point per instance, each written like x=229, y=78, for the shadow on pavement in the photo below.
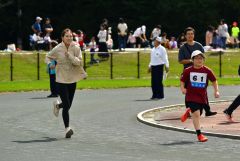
x=178, y=143
x=43, y=140
x=169, y=119
x=39, y=98
x=146, y=100
x=228, y=123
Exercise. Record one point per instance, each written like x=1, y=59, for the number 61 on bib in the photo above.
x=198, y=80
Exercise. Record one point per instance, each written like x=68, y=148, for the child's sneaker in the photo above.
x=56, y=108
x=228, y=116
x=202, y=138
x=185, y=115
x=69, y=132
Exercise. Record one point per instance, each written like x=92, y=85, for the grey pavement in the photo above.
x=106, y=129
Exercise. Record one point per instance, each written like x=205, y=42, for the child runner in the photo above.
x=196, y=77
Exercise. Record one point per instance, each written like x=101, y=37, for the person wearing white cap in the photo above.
x=159, y=59
x=184, y=56
x=196, y=79
x=36, y=27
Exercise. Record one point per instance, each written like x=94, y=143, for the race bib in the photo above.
x=198, y=80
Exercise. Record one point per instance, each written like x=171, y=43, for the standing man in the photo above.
x=184, y=56
x=223, y=33
x=122, y=34
x=36, y=27
x=159, y=59
x=47, y=30
x=47, y=27
x=155, y=33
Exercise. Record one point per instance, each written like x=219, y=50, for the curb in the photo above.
x=141, y=118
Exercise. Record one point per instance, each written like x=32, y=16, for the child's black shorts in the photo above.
x=195, y=106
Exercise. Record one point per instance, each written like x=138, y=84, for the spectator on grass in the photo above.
x=122, y=34
x=47, y=27
x=131, y=40
x=223, y=33
x=36, y=27
x=209, y=36
x=165, y=40
x=102, y=42
x=181, y=40
x=140, y=35
x=93, y=46
x=173, y=43
x=235, y=33
x=47, y=30
x=156, y=32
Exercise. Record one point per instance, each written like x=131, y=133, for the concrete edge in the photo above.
x=140, y=118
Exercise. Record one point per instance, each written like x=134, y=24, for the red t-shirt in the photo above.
x=196, y=81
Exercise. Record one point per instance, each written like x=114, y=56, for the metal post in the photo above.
x=111, y=65
x=38, y=66
x=19, y=15
x=138, y=65
x=84, y=61
x=11, y=66
x=220, y=64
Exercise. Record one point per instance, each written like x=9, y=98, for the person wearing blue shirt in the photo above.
x=36, y=27
x=52, y=76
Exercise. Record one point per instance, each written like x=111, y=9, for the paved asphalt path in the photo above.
x=106, y=129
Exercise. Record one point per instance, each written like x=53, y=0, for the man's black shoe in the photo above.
x=210, y=113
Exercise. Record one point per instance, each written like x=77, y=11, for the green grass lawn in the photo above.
x=98, y=84
x=125, y=71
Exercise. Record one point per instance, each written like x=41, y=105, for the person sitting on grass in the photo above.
x=196, y=77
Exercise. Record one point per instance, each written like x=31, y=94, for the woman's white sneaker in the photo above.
x=69, y=132
x=56, y=108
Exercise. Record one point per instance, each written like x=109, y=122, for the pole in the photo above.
x=138, y=65
x=19, y=15
x=220, y=64
x=11, y=66
x=111, y=65
x=84, y=61
x=38, y=66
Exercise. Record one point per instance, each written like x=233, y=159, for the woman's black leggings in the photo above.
x=66, y=93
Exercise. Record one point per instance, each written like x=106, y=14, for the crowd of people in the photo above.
x=41, y=37
x=215, y=37
x=219, y=37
